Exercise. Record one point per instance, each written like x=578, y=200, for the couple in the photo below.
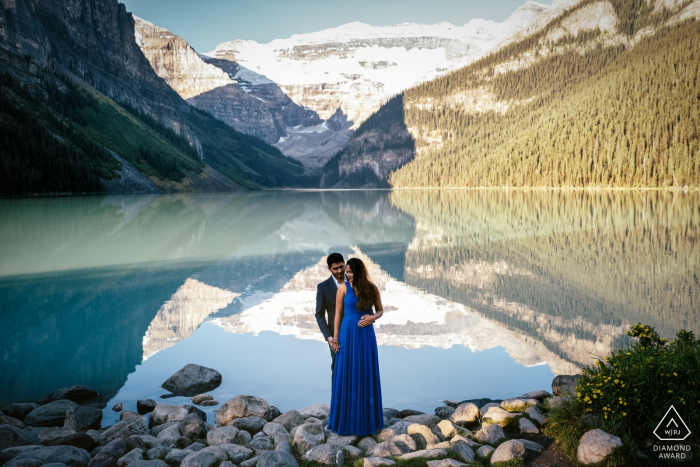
x=356, y=397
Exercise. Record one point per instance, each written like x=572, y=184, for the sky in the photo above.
x=207, y=23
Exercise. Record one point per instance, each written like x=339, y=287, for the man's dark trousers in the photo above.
x=325, y=312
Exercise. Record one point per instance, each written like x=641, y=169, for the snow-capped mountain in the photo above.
x=355, y=67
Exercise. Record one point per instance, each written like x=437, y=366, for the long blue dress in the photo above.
x=356, y=398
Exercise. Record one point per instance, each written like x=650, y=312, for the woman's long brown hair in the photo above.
x=365, y=290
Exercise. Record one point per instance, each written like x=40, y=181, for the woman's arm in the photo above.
x=368, y=319
x=339, y=298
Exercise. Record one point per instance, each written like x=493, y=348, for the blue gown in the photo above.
x=356, y=398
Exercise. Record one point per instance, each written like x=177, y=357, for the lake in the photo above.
x=486, y=293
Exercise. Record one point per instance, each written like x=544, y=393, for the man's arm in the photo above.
x=320, y=314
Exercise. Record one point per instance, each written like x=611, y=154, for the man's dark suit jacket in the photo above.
x=325, y=305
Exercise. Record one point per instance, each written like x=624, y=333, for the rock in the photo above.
x=223, y=435
x=50, y=434
x=338, y=440
x=423, y=436
x=284, y=446
x=444, y=412
x=145, y=463
x=5, y=420
x=145, y=406
x=400, y=428
x=143, y=442
x=462, y=451
x=535, y=414
x=81, y=418
x=443, y=445
x=109, y=454
x=69, y=455
x=166, y=413
x=196, y=446
x=458, y=439
x=51, y=414
x=486, y=407
x=490, y=434
x=170, y=435
x=192, y=427
x=465, y=414
x=275, y=430
x=199, y=398
x=484, y=451
x=276, y=459
x=158, y=452
x=408, y=412
x=158, y=429
x=451, y=402
x=118, y=407
x=72, y=393
x=236, y=453
x=227, y=464
x=12, y=437
x=499, y=416
x=376, y=462
x=319, y=411
x=241, y=406
x=130, y=426
x=530, y=445
x=391, y=413
x=252, y=425
x=366, y=443
x=272, y=413
x=596, y=445
x=207, y=457
x=446, y=428
x=518, y=405
x=425, y=454
x=308, y=436
x=94, y=434
x=19, y=410
x=526, y=426
x=182, y=442
x=290, y=419
x=192, y=409
x=445, y=463
x=556, y=401
x=79, y=440
x=127, y=414
x=352, y=452
x=565, y=385
x=131, y=456
x=507, y=451
x=428, y=420
x=192, y=379
x=175, y=457
x=261, y=441
x=398, y=445
x=252, y=462
x=540, y=395
x=326, y=454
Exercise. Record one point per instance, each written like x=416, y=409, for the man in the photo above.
x=325, y=302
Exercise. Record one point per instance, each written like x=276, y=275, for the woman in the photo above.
x=356, y=400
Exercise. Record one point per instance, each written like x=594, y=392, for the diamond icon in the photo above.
x=672, y=427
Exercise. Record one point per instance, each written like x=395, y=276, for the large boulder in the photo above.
x=484, y=451
x=10, y=453
x=290, y=419
x=396, y=446
x=319, y=411
x=307, y=436
x=426, y=419
x=490, y=434
x=462, y=451
x=595, y=445
x=446, y=428
x=109, y=454
x=175, y=457
x=143, y=442
x=465, y=414
x=130, y=426
x=366, y=444
x=271, y=414
x=65, y=436
x=376, y=462
x=12, y=437
x=276, y=432
x=526, y=426
x=390, y=413
x=145, y=406
x=167, y=413
x=425, y=454
x=507, y=451
x=445, y=463
x=19, y=410
x=225, y=435
x=398, y=428
x=170, y=435
x=5, y=420
x=540, y=395
x=261, y=442
x=500, y=416
x=192, y=379
x=339, y=440
x=444, y=412
x=193, y=427
x=51, y=414
x=131, y=456
x=236, y=453
x=408, y=412
x=276, y=459
x=518, y=405
x=352, y=452
x=69, y=455
x=423, y=436
x=72, y=393
x=535, y=414
x=326, y=454
x=252, y=425
x=81, y=418
x=207, y=457
x=565, y=385
x=241, y=406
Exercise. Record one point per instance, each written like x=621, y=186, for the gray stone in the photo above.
x=145, y=406
x=484, y=451
x=535, y=414
x=508, y=450
x=145, y=463
x=326, y=454
x=486, y=407
x=131, y=456
x=499, y=416
x=565, y=385
x=252, y=462
x=444, y=412
x=272, y=413
x=175, y=457
x=5, y=420
x=81, y=418
x=518, y=405
x=199, y=398
x=284, y=446
x=376, y=462
x=236, y=453
x=319, y=411
x=276, y=459
x=207, y=457
x=8, y=454
x=530, y=445
x=539, y=395
x=166, y=413
x=459, y=439
x=408, y=412
x=352, y=452
x=55, y=464
x=192, y=409
x=595, y=445
x=526, y=426
x=32, y=433
x=79, y=440
x=50, y=434
x=72, y=393
x=391, y=413
x=462, y=451
x=261, y=442
x=308, y=436
x=96, y=451
x=290, y=419
x=423, y=436
x=252, y=425
x=241, y=406
x=338, y=440
x=276, y=432
x=94, y=434
x=227, y=464
x=446, y=428
x=158, y=429
x=51, y=414
x=182, y=442
x=109, y=454
x=366, y=444
x=118, y=407
x=452, y=402
x=143, y=442
x=428, y=420
x=399, y=428
x=465, y=414
x=170, y=435
x=192, y=379
x=19, y=410
x=158, y=452
x=192, y=427
x=223, y=435
x=445, y=463
x=490, y=434
x=124, y=429
x=69, y=455
x=127, y=414
x=400, y=444
x=443, y=445
x=425, y=454
x=12, y=437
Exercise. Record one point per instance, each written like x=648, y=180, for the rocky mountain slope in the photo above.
x=538, y=112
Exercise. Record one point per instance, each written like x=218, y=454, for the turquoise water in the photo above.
x=487, y=294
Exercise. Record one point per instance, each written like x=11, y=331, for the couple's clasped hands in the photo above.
x=333, y=342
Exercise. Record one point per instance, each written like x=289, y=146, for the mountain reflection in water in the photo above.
x=114, y=292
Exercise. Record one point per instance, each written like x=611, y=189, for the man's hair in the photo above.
x=334, y=258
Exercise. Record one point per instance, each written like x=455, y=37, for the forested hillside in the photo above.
x=565, y=107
